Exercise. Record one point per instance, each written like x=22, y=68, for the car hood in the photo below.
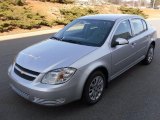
x=51, y=54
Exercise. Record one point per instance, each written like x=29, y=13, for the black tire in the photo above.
x=148, y=59
x=87, y=97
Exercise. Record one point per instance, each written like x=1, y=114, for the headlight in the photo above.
x=58, y=76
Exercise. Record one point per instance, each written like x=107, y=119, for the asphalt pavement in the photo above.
x=134, y=95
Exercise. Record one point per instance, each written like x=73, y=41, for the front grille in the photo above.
x=26, y=70
x=25, y=73
x=48, y=102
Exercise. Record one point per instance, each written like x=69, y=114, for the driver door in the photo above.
x=122, y=55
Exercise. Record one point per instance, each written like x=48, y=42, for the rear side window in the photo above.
x=144, y=25
x=123, y=30
x=138, y=26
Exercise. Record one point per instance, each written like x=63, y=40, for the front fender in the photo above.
x=87, y=70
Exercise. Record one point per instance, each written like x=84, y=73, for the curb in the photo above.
x=28, y=34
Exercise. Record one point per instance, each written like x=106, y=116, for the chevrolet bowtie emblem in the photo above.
x=22, y=72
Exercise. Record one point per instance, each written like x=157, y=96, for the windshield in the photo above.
x=85, y=32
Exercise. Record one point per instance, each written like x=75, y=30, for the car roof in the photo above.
x=111, y=17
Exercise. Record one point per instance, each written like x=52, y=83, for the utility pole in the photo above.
x=140, y=2
x=133, y=3
x=154, y=1
x=145, y=3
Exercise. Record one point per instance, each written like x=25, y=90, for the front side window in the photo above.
x=138, y=26
x=86, y=32
x=123, y=31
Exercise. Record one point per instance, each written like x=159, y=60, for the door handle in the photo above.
x=133, y=45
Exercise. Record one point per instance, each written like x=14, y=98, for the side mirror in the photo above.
x=119, y=41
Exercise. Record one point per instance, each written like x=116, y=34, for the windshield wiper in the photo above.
x=72, y=41
x=56, y=38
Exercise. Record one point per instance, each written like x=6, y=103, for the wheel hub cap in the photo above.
x=150, y=55
x=96, y=88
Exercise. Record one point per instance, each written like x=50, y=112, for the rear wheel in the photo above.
x=149, y=57
x=94, y=87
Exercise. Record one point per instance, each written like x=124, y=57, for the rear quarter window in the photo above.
x=144, y=25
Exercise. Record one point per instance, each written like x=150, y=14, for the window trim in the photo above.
x=114, y=28
x=143, y=21
x=118, y=26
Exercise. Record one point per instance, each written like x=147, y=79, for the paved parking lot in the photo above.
x=135, y=95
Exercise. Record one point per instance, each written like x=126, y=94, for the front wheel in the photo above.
x=94, y=87
x=149, y=57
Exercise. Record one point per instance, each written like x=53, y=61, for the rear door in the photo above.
x=140, y=37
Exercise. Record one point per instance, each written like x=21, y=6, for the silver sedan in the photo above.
x=80, y=60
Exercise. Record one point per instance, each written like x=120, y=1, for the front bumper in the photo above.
x=44, y=94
